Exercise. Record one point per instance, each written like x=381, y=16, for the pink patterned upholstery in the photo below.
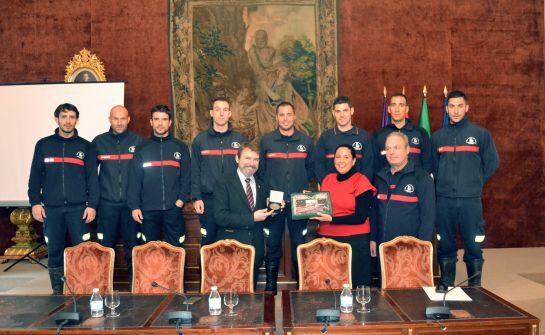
x=406, y=262
x=227, y=264
x=89, y=265
x=160, y=262
x=324, y=258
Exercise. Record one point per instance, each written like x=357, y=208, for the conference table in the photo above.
x=139, y=314
x=402, y=311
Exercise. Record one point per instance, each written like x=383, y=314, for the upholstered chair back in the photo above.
x=322, y=259
x=160, y=262
x=89, y=265
x=227, y=264
x=406, y=262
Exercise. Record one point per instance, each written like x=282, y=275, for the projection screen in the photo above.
x=27, y=115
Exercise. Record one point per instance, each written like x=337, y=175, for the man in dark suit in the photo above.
x=241, y=204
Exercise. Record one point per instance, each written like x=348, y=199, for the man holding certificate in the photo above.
x=286, y=165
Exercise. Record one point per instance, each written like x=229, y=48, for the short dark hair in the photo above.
x=247, y=145
x=399, y=94
x=224, y=99
x=160, y=109
x=347, y=146
x=68, y=107
x=457, y=94
x=284, y=104
x=342, y=99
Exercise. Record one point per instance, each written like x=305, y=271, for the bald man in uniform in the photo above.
x=114, y=150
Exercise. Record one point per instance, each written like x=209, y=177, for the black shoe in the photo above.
x=473, y=267
x=55, y=275
x=448, y=271
x=271, y=271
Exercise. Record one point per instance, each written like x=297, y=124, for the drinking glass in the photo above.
x=363, y=296
x=230, y=299
x=112, y=302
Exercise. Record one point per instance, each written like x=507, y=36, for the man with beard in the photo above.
x=159, y=182
x=240, y=201
x=63, y=189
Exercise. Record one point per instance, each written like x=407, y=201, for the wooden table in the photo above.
x=140, y=314
x=402, y=312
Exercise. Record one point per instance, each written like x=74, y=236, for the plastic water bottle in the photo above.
x=214, y=302
x=347, y=300
x=97, y=304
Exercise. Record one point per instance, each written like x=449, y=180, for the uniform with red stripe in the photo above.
x=212, y=157
x=464, y=157
x=63, y=172
x=419, y=143
x=404, y=205
x=114, y=153
x=331, y=139
x=160, y=174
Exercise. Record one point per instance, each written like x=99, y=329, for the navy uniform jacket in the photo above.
x=419, y=143
x=465, y=157
x=212, y=157
x=331, y=139
x=63, y=172
x=159, y=175
x=114, y=153
x=286, y=163
x=404, y=205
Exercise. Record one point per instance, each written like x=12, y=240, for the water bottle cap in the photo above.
x=214, y=288
x=346, y=286
x=95, y=290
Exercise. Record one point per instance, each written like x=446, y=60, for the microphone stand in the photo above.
x=68, y=318
x=327, y=315
x=177, y=317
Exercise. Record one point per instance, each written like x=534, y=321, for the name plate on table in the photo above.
x=307, y=205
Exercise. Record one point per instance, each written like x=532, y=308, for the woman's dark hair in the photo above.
x=349, y=147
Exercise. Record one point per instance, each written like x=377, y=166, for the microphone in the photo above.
x=327, y=315
x=177, y=317
x=68, y=318
x=443, y=312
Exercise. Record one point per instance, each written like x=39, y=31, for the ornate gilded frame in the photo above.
x=84, y=62
x=182, y=61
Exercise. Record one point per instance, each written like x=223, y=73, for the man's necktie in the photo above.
x=249, y=194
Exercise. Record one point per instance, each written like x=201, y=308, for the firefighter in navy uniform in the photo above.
x=465, y=157
x=63, y=189
x=405, y=201
x=212, y=157
x=344, y=132
x=419, y=139
x=286, y=164
x=159, y=182
x=114, y=151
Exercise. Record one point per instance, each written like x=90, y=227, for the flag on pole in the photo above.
x=385, y=115
x=445, y=115
x=425, y=115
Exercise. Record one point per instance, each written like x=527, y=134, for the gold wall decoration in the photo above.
x=85, y=67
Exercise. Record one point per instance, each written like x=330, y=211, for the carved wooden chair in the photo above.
x=89, y=265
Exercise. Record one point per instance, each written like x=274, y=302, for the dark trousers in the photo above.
x=208, y=222
x=465, y=214
x=361, y=257
x=169, y=222
x=115, y=220
x=58, y=222
x=276, y=234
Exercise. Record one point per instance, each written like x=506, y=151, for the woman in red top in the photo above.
x=351, y=195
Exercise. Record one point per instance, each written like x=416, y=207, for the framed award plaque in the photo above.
x=307, y=205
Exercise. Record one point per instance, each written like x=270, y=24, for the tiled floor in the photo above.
x=517, y=275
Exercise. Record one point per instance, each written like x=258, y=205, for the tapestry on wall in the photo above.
x=257, y=54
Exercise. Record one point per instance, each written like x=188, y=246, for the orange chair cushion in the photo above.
x=407, y=265
x=88, y=265
x=321, y=261
x=227, y=266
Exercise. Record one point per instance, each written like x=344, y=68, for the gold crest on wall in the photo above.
x=85, y=67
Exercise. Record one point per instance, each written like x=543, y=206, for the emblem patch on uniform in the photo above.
x=471, y=140
x=301, y=148
x=357, y=145
x=383, y=153
x=415, y=140
x=132, y=148
x=80, y=155
x=235, y=145
x=409, y=188
x=177, y=155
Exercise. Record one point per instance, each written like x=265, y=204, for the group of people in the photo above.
x=396, y=182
